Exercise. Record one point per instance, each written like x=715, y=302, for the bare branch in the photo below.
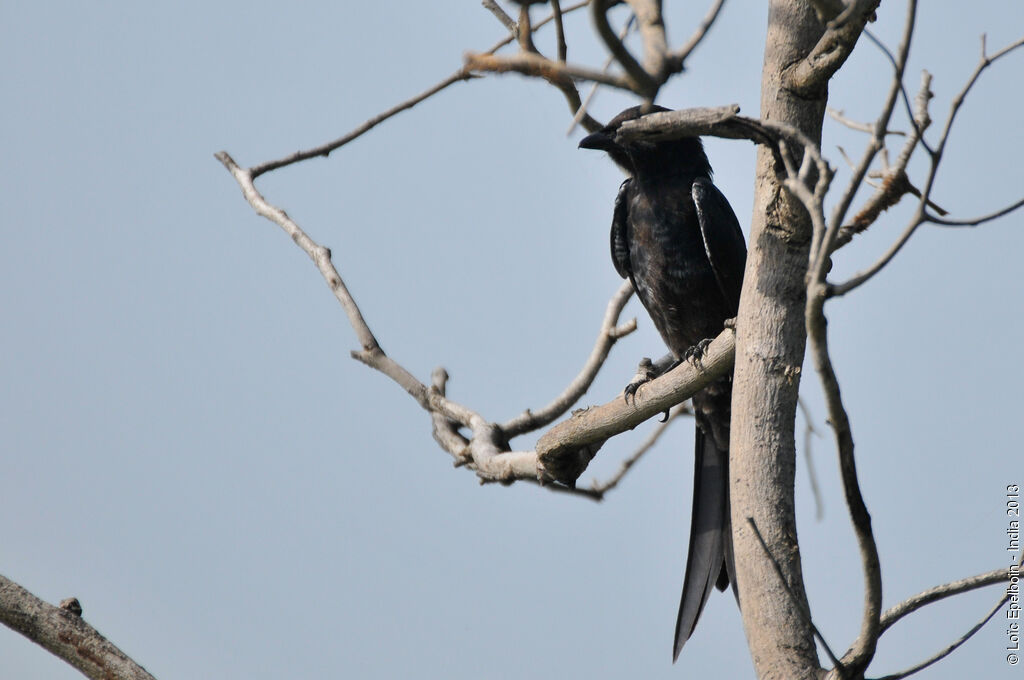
x=506, y=21
x=936, y=155
x=320, y=255
x=811, y=74
x=677, y=58
x=531, y=64
x=863, y=648
x=799, y=603
x=651, y=27
x=558, y=448
x=487, y=451
x=973, y=221
x=563, y=49
x=637, y=79
x=460, y=75
x=903, y=91
x=582, y=111
x=525, y=30
x=812, y=475
x=325, y=149
x=602, y=488
x=878, y=131
x=838, y=116
x=65, y=634
x=606, y=337
x=949, y=649
x=964, y=585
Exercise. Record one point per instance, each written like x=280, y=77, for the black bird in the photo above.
x=676, y=238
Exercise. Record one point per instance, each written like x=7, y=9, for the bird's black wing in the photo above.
x=620, y=238
x=723, y=239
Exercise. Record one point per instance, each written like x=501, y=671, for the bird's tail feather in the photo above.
x=710, y=540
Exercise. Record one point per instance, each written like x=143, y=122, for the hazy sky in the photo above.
x=190, y=451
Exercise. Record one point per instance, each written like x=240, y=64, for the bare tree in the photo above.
x=793, y=241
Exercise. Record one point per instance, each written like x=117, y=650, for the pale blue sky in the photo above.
x=190, y=451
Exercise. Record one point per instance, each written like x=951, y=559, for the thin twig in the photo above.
x=507, y=21
x=609, y=333
x=602, y=488
x=919, y=215
x=677, y=58
x=812, y=475
x=973, y=221
x=819, y=257
x=325, y=149
x=637, y=79
x=487, y=448
x=922, y=599
x=800, y=603
x=952, y=647
x=838, y=116
x=904, y=97
x=459, y=75
x=594, y=87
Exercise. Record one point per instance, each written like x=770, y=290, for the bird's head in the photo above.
x=640, y=155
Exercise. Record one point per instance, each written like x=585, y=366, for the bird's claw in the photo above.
x=644, y=373
x=696, y=353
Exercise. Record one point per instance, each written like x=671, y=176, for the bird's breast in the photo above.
x=671, y=272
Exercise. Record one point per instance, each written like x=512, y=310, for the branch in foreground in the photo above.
x=563, y=451
x=486, y=451
x=601, y=488
x=606, y=337
x=65, y=635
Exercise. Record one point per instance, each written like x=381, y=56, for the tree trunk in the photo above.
x=769, y=354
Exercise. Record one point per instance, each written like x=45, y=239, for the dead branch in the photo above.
x=838, y=116
x=952, y=647
x=636, y=79
x=812, y=73
x=532, y=64
x=609, y=333
x=912, y=604
x=567, y=445
x=677, y=58
x=877, y=141
x=506, y=21
x=325, y=150
x=602, y=488
x=935, y=154
x=65, y=634
x=460, y=75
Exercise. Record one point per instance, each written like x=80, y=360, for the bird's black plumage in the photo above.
x=676, y=238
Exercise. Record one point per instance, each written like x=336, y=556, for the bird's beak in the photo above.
x=598, y=140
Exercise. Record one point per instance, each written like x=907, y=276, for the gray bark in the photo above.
x=770, y=346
